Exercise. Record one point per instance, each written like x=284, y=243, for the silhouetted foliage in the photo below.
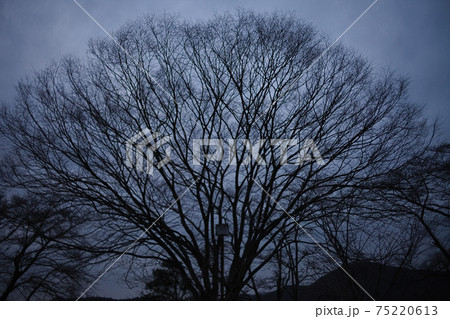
x=166, y=283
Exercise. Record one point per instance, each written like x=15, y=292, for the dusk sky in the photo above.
x=408, y=36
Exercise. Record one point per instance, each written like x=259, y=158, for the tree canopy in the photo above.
x=269, y=82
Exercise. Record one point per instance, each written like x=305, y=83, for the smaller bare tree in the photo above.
x=37, y=258
x=421, y=190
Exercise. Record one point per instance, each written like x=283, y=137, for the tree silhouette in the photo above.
x=420, y=189
x=36, y=257
x=166, y=284
x=255, y=79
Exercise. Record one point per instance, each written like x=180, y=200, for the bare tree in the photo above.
x=37, y=259
x=420, y=189
x=381, y=241
x=255, y=79
x=292, y=264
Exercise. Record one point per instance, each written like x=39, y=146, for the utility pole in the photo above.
x=222, y=231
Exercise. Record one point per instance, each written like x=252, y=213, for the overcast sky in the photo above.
x=409, y=36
